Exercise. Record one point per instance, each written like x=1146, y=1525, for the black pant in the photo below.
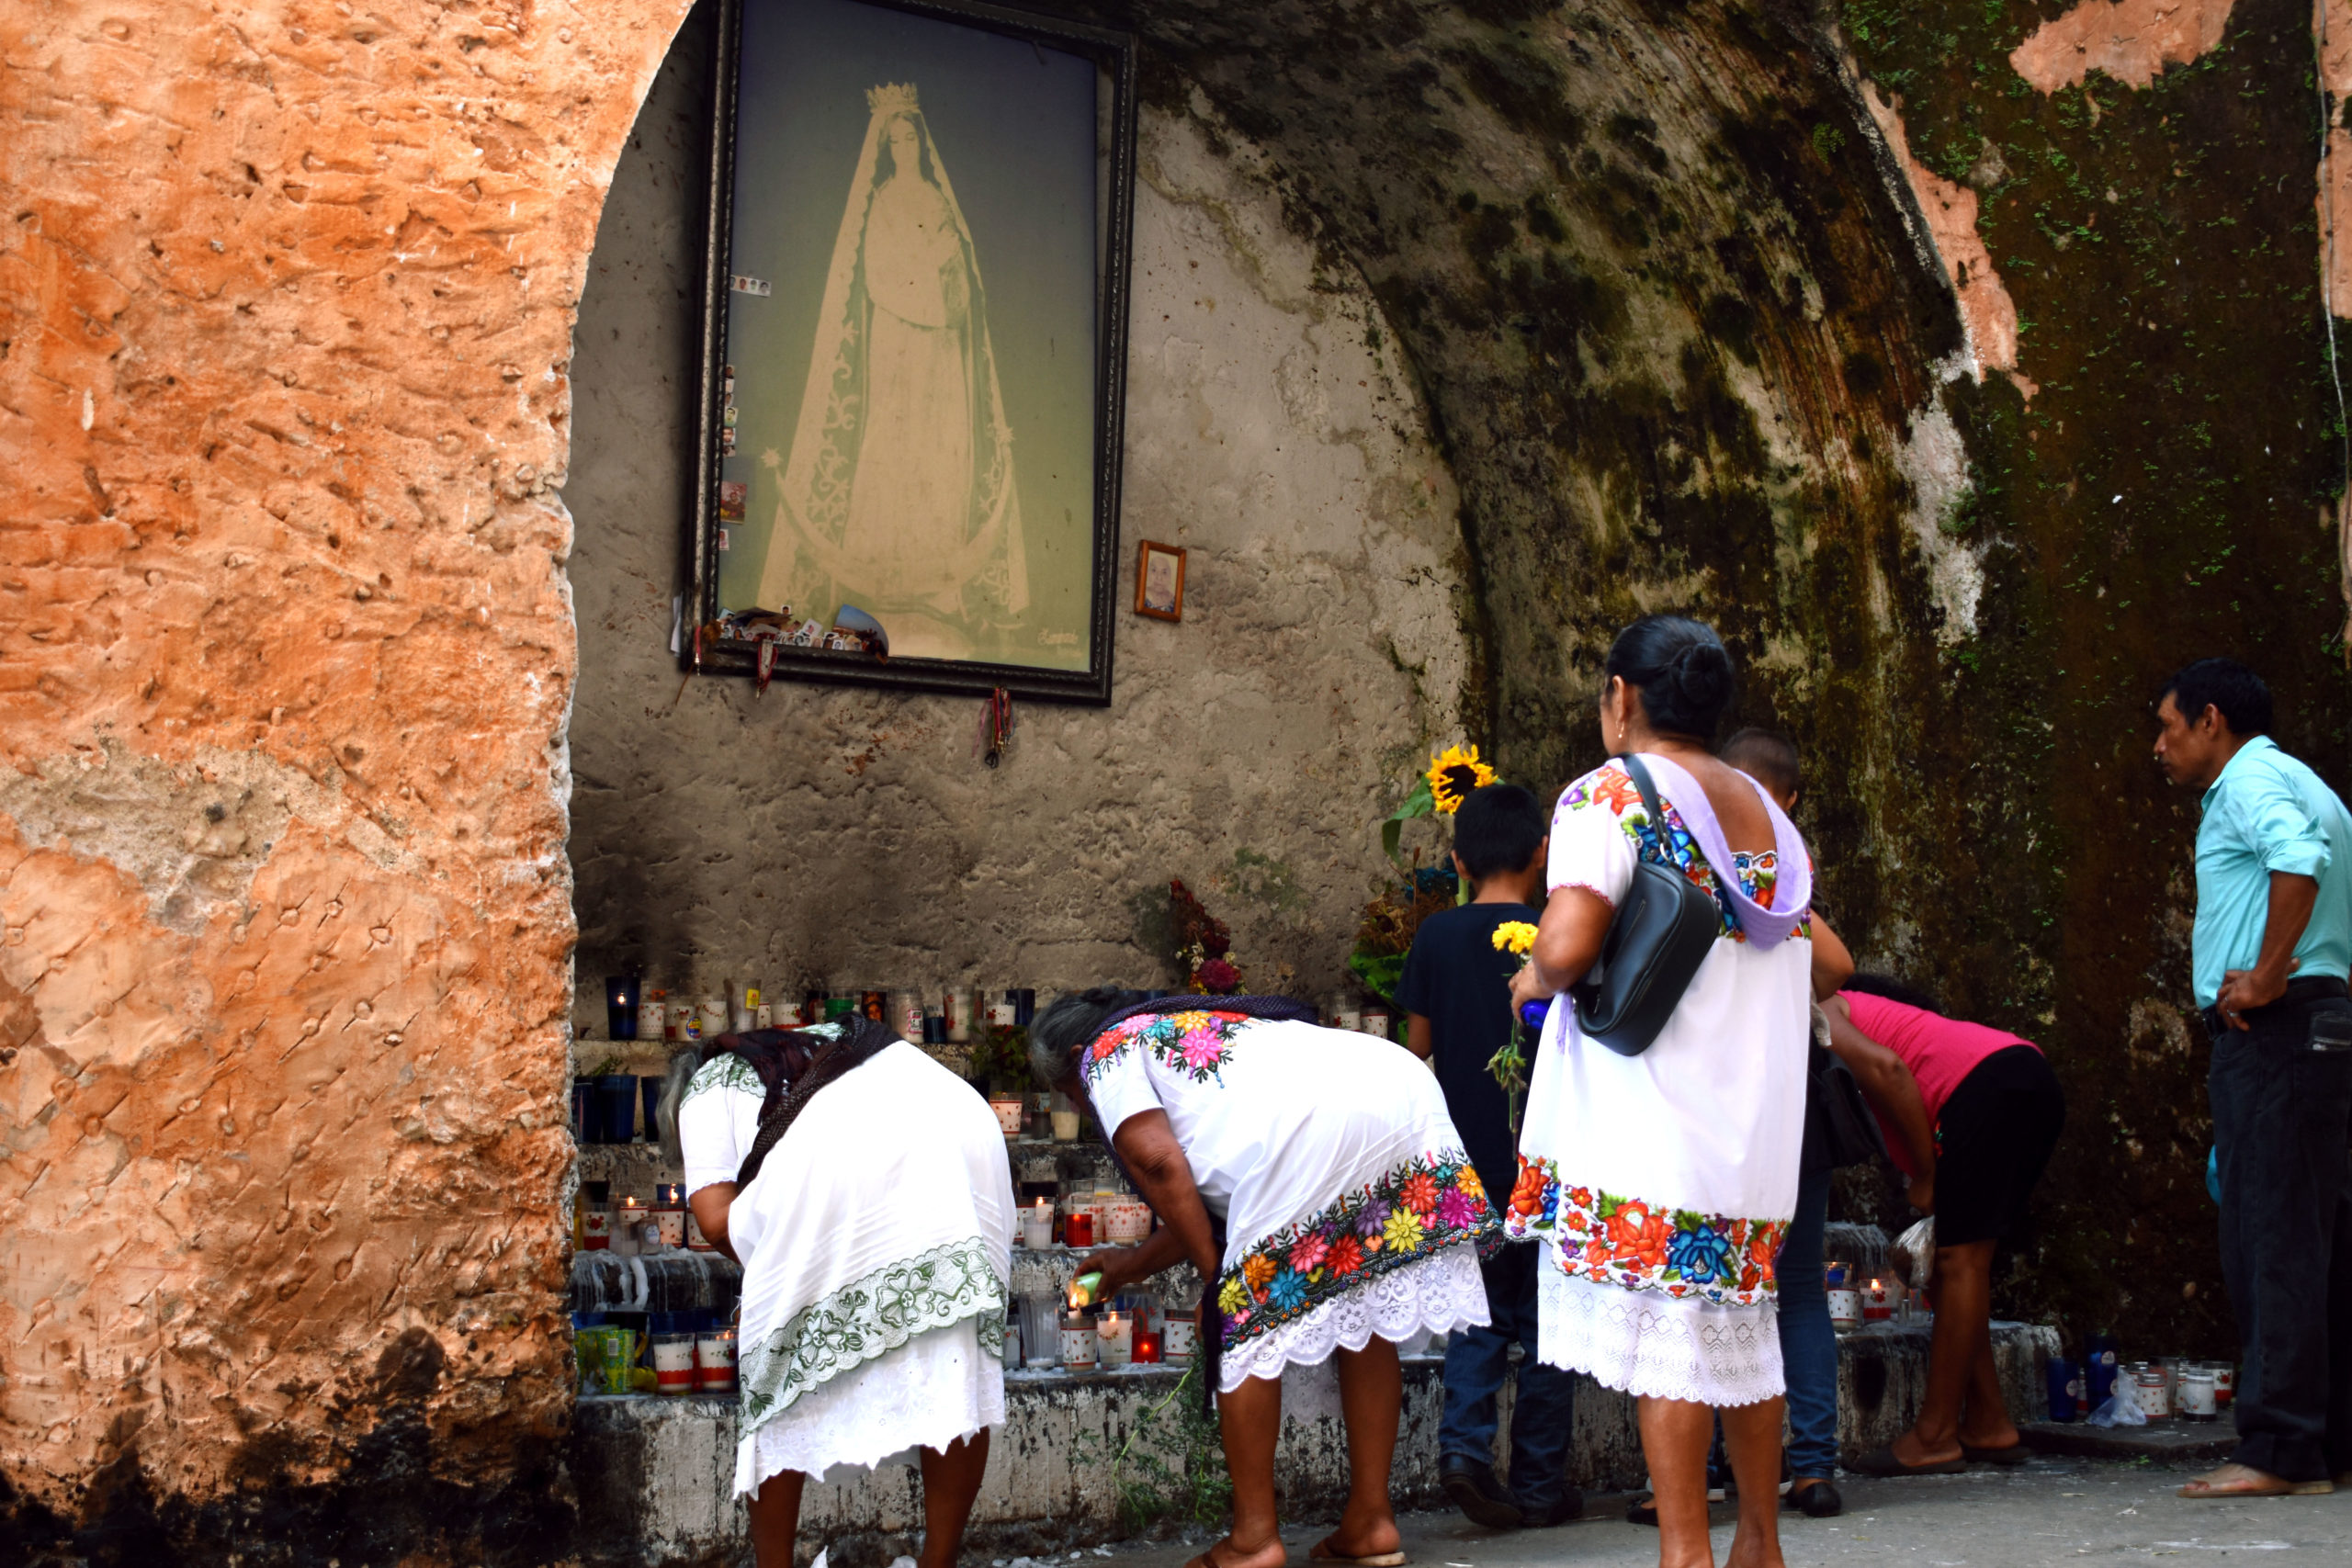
x=2282, y=1120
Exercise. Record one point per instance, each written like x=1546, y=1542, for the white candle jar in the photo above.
x=1845, y=1309
x=1079, y=1340
x=1130, y=1220
x=1176, y=1341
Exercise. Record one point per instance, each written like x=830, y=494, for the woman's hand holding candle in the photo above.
x=1122, y=1266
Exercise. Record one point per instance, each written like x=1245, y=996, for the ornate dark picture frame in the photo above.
x=731, y=282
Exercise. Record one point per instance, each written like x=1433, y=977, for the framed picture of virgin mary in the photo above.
x=914, y=347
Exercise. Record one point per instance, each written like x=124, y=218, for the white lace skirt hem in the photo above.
x=935, y=1388
x=1651, y=1345
x=1442, y=1293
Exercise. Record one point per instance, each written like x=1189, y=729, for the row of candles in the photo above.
x=1044, y=1335
x=677, y=1353
x=1853, y=1304
x=925, y=1017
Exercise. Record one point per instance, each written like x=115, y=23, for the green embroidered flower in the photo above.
x=873, y=1316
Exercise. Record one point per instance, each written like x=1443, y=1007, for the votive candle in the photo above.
x=1037, y=1225
x=1117, y=1333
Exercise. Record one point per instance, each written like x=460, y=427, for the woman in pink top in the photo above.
x=1971, y=1115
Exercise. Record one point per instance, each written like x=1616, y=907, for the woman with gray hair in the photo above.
x=872, y=1323
x=1314, y=1180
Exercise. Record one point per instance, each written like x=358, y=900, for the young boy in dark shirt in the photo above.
x=1456, y=996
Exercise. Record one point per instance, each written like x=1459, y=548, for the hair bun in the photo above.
x=1701, y=674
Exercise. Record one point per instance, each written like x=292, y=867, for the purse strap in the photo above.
x=1631, y=763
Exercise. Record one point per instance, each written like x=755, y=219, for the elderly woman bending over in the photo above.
x=1314, y=1180
x=872, y=1326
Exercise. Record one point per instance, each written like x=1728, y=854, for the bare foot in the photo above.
x=2003, y=1436
x=1912, y=1452
x=1749, y=1552
x=2244, y=1480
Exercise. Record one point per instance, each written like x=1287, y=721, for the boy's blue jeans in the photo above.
x=1478, y=1360
x=1808, y=1345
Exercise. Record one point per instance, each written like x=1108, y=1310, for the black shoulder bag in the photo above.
x=1662, y=932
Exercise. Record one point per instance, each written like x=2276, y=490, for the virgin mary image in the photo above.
x=899, y=495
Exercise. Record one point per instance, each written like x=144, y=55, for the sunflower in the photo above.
x=1453, y=774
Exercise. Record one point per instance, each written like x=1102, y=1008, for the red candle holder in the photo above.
x=1078, y=1230
x=1147, y=1346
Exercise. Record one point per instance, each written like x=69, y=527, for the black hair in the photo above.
x=1893, y=989
x=1682, y=671
x=1770, y=759
x=2223, y=684
x=1067, y=1025
x=1498, y=830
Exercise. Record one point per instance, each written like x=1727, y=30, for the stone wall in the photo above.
x=285, y=314
x=843, y=834
x=1675, y=290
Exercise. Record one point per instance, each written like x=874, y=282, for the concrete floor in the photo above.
x=2051, y=1511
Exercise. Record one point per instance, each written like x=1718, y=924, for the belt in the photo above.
x=2299, y=993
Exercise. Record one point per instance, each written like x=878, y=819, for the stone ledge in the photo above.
x=655, y=1475
x=2166, y=1442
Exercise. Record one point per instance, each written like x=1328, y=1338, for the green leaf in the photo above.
x=1381, y=973
x=1420, y=803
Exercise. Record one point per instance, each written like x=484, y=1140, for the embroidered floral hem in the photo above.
x=1414, y=1212
x=1610, y=1239
x=871, y=1317
x=1193, y=1043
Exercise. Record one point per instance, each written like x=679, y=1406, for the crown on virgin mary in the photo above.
x=895, y=97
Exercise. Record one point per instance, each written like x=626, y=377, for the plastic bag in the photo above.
x=2122, y=1408
x=1914, y=1252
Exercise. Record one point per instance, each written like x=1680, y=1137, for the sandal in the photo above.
x=1881, y=1462
x=2008, y=1454
x=2244, y=1480
x=1207, y=1559
x=1321, y=1552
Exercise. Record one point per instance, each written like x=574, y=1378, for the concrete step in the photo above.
x=1087, y=1459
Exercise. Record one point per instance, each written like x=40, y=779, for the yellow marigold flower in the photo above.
x=1514, y=936
x=1403, y=1231
x=1453, y=774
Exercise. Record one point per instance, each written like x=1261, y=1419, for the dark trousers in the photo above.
x=1476, y=1361
x=2282, y=1122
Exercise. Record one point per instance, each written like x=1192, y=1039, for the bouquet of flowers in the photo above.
x=1389, y=921
x=1510, y=1063
x=1202, y=944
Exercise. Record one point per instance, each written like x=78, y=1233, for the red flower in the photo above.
x=1218, y=977
x=1345, y=1257
x=1527, y=1194
x=1420, y=1193
x=1580, y=1196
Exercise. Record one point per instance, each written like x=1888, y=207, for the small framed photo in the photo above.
x=1159, y=581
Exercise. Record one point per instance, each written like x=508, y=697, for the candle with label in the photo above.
x=1116, y=1331
x=1079, y=1340
x=1845, y=1308
x=1176, y=1341
x=715, y=1360
x=673, y=1362
x=1878, y=1302
x=1037, y=1225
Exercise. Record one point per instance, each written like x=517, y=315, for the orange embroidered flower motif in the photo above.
x=1257, y=1269
x=1420, y=1192
x=1527, y=1195
x=1466, y=1178
x=1615, y=788
x=1580, y=1196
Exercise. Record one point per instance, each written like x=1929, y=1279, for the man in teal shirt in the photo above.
x=2271, y=950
